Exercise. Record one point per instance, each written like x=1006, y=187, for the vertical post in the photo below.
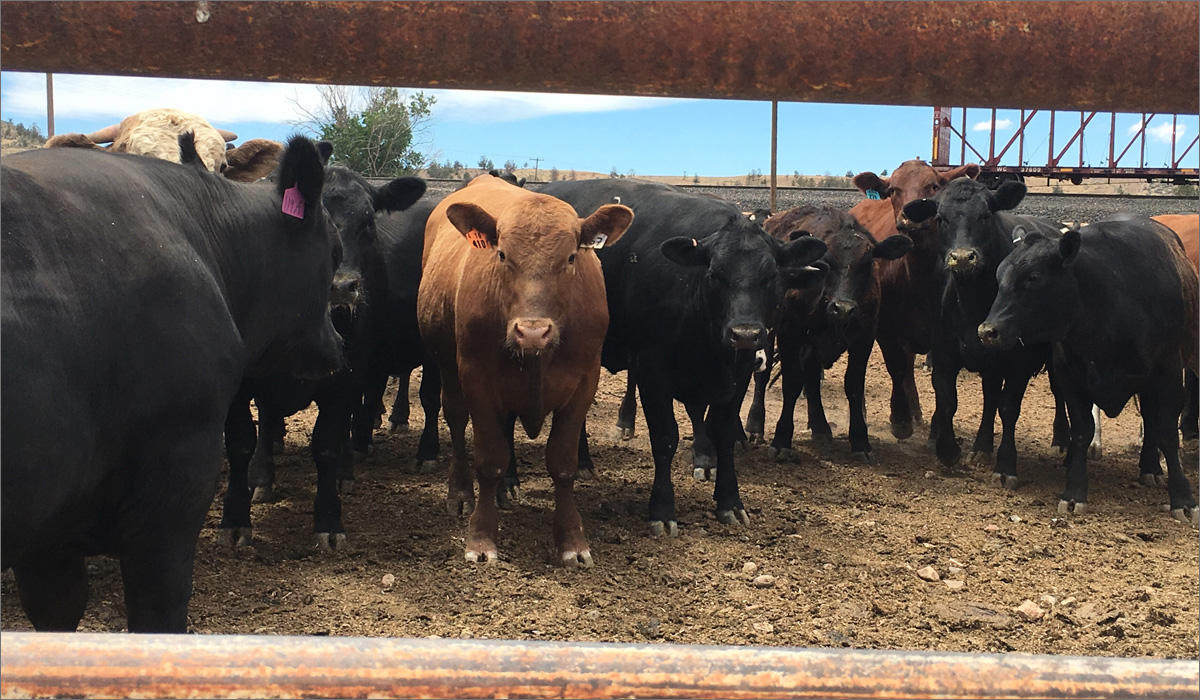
x=49, y=105
x=1112, y=140
x=1050, y=157
x=1021, y=142
x=992, y=139
x=941, y=135
x=1081, y=124
x=1174, y=125
x=774, y=147
x=962, y=148
x=1142, y=154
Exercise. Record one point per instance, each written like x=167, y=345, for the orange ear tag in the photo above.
x=477, y=239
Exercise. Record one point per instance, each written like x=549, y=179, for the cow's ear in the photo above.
x=804, y=276
x=187, y=150
x=685, y=251
x=326, y=150
x=1007, y=196
x=70, y=141
x=920, y=210
x=253, y=160
x=893, y=247
x=870, y=182
x=605, y=226
x=1068, y=247
x=804, y=250
x=970, y=170
x=301, y=168
x=399, y=194
x=521, y=182
x=472, y=221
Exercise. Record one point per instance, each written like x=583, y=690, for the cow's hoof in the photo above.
x=704, y=474
x=263, y=494
x=979, y=458
x=822, y=438
x=330, y=542
x=865, y=456
x=459, y=507
x=781, y=454
x=508, y=496
x=1152, y=480
x=426, y=466
x=487, y=556
x=398, y=428
x=659, y=529
x=1075, y=507
x=623, y=434
x=1190, y=516
x=902, y=431
x=1005, y=481
x=588, y=474
x=754, y=438
x=236, y=537
x=576, y=560
x=733, y=517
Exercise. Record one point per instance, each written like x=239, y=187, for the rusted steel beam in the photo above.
x=1123, y=56
x=150, y=666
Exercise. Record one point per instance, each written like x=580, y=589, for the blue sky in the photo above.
x=645, y=136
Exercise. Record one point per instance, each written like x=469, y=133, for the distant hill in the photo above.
x=16, y=137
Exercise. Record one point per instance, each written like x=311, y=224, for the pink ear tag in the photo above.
x=293, y=202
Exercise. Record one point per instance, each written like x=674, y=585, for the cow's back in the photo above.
x=1187, y=227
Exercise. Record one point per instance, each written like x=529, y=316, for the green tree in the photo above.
x=373, y=130
x=486, y=164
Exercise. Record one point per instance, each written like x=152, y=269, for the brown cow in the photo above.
x=155, y=133
x=1187, y=227
x=512, y=308
x=910, y=286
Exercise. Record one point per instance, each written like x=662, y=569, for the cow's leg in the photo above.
x=793, y=383
x=756, y=418
x=899, y=363
x=1010, y=410
x=460, y=494
x=1061, y=433
x=275, y=429
x=157, y=545
x=946, y=366
x=854, y=384
x=985, y=435
x=562, y=453
x=430, y=393
x=1149, y=470
x=510, y=487
x=261, y=474
x=627, y=413
x=398, y=418
x=330, y=443
x=1096, y=446
x=240, y=437
x=817, y=423
x=704, y=456
x=1079, y=412
x=1189, y=419
x=53, y=589
x=664, y=441
x=1161, y=406
x=366, y=415
x=489, y=455
x=723, y=425
x=587, y=468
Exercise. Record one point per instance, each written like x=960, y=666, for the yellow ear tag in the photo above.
x=477, y=239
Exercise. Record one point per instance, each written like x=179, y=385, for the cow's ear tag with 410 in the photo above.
x=293, y=202
x=597, y=241
x=477, y=239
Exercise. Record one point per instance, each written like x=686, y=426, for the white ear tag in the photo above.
x=597, y=241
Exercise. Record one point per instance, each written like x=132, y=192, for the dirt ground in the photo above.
x=830, y=558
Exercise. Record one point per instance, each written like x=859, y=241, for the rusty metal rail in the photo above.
x=1122, y=56
x=183, y=666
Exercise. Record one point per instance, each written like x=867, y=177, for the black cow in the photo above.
x=976, y=232
x=817, y=325
x=360, y=284
x=136, y=295
x=1118, y=302
x=691, y=288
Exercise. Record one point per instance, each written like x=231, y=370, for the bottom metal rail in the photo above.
x=220, y=666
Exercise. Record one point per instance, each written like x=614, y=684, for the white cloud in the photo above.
x=111, y=98
x=1160, y=131
x=1001, y=124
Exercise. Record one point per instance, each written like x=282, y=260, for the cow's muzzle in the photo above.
x=842, y=310
x=991, y=336
x=964, y=261
x=746, y=336
x=532, y=336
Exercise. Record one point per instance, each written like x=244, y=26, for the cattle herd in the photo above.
x=147, y=303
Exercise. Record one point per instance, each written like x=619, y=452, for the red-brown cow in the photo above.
x=1187, y=227
x=910, y=286
x=512, y=307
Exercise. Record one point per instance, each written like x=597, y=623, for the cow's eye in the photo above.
x=571, y=259
x=500, y=254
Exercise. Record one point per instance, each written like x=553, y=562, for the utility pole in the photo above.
x=49, y=105
x=537, y=160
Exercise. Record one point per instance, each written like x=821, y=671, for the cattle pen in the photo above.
x=240, y=40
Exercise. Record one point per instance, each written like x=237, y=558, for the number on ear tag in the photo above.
x=477, y=239
x=872, y=194
x=597, y=241
x=293, y=202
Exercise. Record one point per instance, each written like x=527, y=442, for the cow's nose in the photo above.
x=962, y=259
x=988, y=334
x=842, y=309
x=532, y=333
x=746, y=336
x=345, y=290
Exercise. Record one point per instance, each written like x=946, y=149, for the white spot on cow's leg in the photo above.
x=760, y=360
x=575, y=560
x=1072, y=507
x=1005, y=481
x=733, y=517
x=1096, y=449
x=658, y=528
x=487, y=556
x=1189, y=516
